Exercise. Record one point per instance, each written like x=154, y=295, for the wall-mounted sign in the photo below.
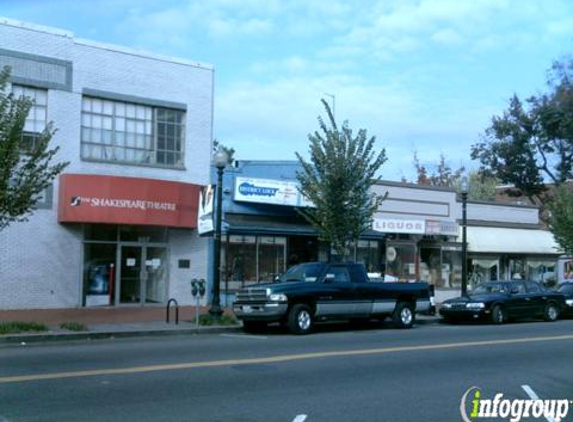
x=442, y=227
x=205, y=214
x=126, y=200
x=396, y=225
x=267, y=191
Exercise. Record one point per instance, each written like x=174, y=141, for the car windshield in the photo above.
x=491, y=288
x=565, y=288
x=302, y=272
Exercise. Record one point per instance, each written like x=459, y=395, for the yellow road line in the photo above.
x=275, y=359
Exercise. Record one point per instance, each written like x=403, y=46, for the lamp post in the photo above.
x=220, y=160
x=464, y=188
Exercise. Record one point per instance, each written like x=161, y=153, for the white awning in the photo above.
x=504, y=240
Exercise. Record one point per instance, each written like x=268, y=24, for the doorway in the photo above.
x=142, y=277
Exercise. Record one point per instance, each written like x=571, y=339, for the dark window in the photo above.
x=356, y=273
x=338, y=275
x=533, y=287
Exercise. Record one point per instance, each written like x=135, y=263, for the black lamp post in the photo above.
x=220, y=160
x=464, y=188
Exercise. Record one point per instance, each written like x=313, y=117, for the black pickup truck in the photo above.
x=314, y=292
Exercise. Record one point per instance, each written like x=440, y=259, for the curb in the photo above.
x=99, y=335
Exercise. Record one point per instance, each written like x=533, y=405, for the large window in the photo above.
x=37, y=116
x=132, y=133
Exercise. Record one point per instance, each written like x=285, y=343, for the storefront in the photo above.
x=126, y=225
x=503, y=253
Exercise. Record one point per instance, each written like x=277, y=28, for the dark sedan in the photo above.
x=500, y=301
x=566, y=289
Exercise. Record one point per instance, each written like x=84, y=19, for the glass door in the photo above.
x=156, y=275
x=132, y=274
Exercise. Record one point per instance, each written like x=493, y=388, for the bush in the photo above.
x=208, y=319
x=73, y=326
x=15, y=327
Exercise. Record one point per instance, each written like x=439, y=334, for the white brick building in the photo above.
x=142, y=124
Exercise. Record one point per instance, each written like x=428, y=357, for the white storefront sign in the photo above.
x=266, y=191
x=397, y=225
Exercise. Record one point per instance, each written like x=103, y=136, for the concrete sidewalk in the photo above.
x=108, y=322
x=111, y=322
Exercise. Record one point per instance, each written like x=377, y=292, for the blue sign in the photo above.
x=248, y=189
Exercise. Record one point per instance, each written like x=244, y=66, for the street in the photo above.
x=340, y=373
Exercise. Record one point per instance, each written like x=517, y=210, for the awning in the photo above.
x=277, y=225
x=511, y=241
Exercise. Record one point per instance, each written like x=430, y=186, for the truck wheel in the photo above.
x=254, y=326
x=551, y=312
x=498, y=315
x=404, y=315
x=300, y=319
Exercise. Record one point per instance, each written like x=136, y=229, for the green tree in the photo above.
x=532, y=142
x=561, y=217
x=26, y=167
x=482, y=186
x=337, y=180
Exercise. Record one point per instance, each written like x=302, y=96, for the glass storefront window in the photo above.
x=483, y=270
x=241, y=262
x=271, y=257
x=368, y=253
x=100, y=232
x=542, y=271
x=143, y=233
x=99, y=273
x=451, y=268
x=401, y=261
x=431, y=265
x=516, y=269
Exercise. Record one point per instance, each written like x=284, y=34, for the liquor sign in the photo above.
x=126, y=200
x=397, y=225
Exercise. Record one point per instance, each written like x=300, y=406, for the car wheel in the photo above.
x=254, y=326
x=551, y=312
x=300, y=320
x=498, y=315
x=404, y=315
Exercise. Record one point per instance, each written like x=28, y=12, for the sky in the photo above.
x=422, y=76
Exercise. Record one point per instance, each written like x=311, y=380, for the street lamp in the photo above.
x=220, y=160
x=464, y=188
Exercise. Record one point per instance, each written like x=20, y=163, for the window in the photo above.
x=338, y=275
x=37, y=116
x=533, y=288
x=132, y=133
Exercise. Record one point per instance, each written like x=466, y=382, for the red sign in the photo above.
x=126, y=200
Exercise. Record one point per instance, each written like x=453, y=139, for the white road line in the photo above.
x=534, y=396
x=243, y=336
x=300, y=418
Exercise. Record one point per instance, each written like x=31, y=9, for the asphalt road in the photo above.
x=338, y=374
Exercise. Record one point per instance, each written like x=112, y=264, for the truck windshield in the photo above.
x=302, y=273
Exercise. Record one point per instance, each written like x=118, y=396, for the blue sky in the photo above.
x=420, y=75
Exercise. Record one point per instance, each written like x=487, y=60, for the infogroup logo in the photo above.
x=512, y=409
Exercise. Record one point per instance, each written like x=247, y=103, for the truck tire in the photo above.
x=300, y=319
x=404, y=316
x=252, y=327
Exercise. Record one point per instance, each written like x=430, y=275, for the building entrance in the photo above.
x=142, y=276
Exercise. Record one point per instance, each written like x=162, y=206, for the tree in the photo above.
x=229, y=150
x=26, y=167
x=482, y=187
x=337, y=180
x=561, y=217
x=533, y=142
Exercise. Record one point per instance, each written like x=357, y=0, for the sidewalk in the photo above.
x=108, y=322
x=113, y=322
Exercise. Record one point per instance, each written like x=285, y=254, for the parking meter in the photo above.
x=198, y=289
